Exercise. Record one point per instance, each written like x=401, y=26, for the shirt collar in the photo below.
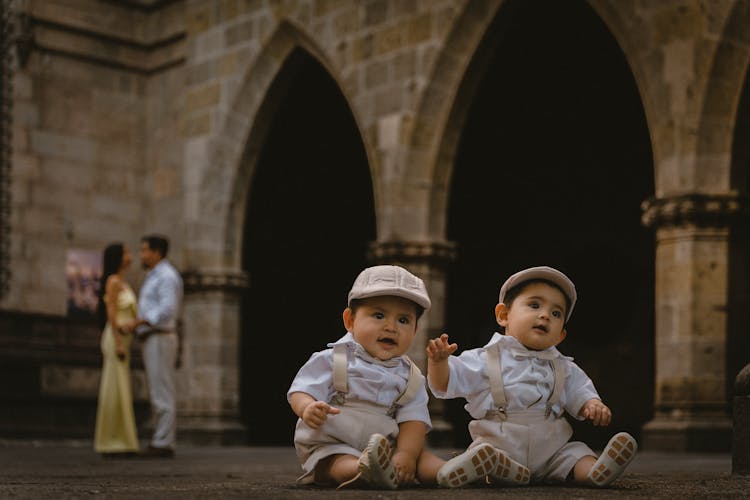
x=359, y=351
x=517, y=349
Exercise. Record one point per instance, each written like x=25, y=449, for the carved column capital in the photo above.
x=695, y=209
x=438, y=253
x=212, y=280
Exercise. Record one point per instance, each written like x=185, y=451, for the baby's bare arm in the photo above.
x=408, y=447
x=596, y=411
x=438, y=370
x=313, y=412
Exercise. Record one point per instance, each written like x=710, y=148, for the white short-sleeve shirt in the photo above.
x=528, y=380
x=369, y=379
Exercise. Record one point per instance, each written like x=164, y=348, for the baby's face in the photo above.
x=385, y=326
x=536, y=318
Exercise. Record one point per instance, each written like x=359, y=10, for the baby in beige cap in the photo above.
x=362, y=403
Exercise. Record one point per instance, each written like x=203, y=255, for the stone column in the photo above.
x=692, y=411
x=208, y=380
x=428, y=260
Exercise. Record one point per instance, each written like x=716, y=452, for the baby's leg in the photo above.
x=336, y=469
x=428, y=466
x=582, y=468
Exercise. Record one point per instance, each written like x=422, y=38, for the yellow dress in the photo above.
x=115, y=418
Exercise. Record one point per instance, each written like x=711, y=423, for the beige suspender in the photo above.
x=341, y=385
x=340, y=379
x=558, y=369
x=495, y=374
x=497, y=387
x=340, y=362
x=415, y=382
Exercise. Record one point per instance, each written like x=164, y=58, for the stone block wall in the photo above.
x=77, y=150
x=133, y=117
x=93, y=133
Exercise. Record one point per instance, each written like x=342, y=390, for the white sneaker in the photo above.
x=509, y=472
x=616, y=456
x=475, y=463
x=375, y=466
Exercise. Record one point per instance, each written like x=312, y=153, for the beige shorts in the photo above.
x=346, y=433
x=540, y=443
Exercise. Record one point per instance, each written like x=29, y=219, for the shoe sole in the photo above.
x=375, y=463
x=616, y=456
x=468, y=467
x=510, y=472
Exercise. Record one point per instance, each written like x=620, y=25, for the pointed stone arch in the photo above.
x=726, y=90
x=617, y=22
x=220, y=170
x=309, y=218
x=441, y=112
x=439, y=139
x=443, y=106
x=233, y=152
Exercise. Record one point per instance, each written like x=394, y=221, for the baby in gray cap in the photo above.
x=518, y=388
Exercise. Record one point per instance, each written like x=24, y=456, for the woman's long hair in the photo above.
x=111, y=264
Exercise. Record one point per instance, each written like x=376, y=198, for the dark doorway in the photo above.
x=738, y=345
x=310, y=217
x=553, y=164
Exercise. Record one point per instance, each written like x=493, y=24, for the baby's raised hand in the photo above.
x=597, y=412
x=317, y=412
x=439, y=349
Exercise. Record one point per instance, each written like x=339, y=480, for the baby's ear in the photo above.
x=501, y=314
x=348, y=319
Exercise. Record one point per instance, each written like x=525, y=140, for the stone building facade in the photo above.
x=282, y=145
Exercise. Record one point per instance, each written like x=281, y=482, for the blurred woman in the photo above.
x=115, y=433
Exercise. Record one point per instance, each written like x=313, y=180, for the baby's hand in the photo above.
x=317, y=412
x=406, y=466
x=597, y=412
x=439, y=349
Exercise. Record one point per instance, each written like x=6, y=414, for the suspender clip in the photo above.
x=548, y=410
x=393, y=409
x=498, y=412
x=339, y=398
x=502, y=413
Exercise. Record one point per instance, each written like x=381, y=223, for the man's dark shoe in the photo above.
x=156, y=452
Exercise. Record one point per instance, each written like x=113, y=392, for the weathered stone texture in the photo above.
x=211, y=339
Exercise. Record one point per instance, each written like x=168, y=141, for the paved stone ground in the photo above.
x=61, y=470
